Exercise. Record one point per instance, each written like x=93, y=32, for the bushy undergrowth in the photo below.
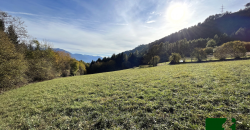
x=12, y=64
x=164, y=97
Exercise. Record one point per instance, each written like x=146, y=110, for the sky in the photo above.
x=105, y=27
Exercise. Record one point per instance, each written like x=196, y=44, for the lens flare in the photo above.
x=177, y=12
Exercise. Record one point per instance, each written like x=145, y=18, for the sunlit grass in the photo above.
x=163, y=97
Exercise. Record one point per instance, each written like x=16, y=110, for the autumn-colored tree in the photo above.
x=235, y=49
x=220, y=53
x=63, y=63
x=41, y=61
x=82, y=68
x=208, y=50
x=74, y=66
x=12, y=64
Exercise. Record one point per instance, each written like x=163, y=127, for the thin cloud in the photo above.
x=21, y=13
x=151, y=21
x=106, y=28
x=24, y=13
x=121, y=24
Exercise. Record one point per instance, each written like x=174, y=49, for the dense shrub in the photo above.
x=40, y=59
x=220, y=53
x=211, y=43
x=74, y=66
x=208, y=50
x=238, y=47
x=247, y=46
x=62, y=63
x=199, y=54
x=154, y=60
x=40, y=69
x=82, y=68
x=12, y=64
x=175, y=58
x=234, y=49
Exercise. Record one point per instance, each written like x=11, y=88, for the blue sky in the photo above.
x=104, y=27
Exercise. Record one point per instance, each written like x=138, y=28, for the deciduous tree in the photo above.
x=154, y=60
x=74, y=66
x=211, y=43
x=12, y=64
x=199, y=54
x=175, y=58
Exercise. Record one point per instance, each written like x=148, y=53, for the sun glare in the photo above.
x=177, y=12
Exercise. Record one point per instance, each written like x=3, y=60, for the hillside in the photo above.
x=141, y=49
x=164, y=97
x=229, y=23
x=85, y=58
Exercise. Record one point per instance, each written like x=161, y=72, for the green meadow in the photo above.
x=163, y=97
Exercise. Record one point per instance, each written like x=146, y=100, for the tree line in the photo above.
x=115, y=62
x=196, y=49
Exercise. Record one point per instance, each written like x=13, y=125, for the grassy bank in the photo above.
x=164, y=97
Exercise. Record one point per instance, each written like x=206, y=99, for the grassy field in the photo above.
x=163, y=97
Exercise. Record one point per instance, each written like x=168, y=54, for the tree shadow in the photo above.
x=236, y=59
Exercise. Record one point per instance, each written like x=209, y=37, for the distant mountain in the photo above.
x=85, y=58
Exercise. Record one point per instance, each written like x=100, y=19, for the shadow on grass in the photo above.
x=209, y=61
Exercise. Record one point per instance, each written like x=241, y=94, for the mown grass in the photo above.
x=164, y=97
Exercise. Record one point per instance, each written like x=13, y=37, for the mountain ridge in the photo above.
x=85, y=58
x=228, y=22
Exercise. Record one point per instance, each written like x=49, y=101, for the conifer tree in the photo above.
x=12, y=35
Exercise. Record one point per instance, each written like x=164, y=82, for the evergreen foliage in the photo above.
x=12, y=35
x=2, y=25
x=211, y=43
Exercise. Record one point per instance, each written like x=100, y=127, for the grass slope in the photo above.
x=163, y=97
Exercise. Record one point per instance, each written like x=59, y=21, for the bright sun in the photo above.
x=177, y=12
